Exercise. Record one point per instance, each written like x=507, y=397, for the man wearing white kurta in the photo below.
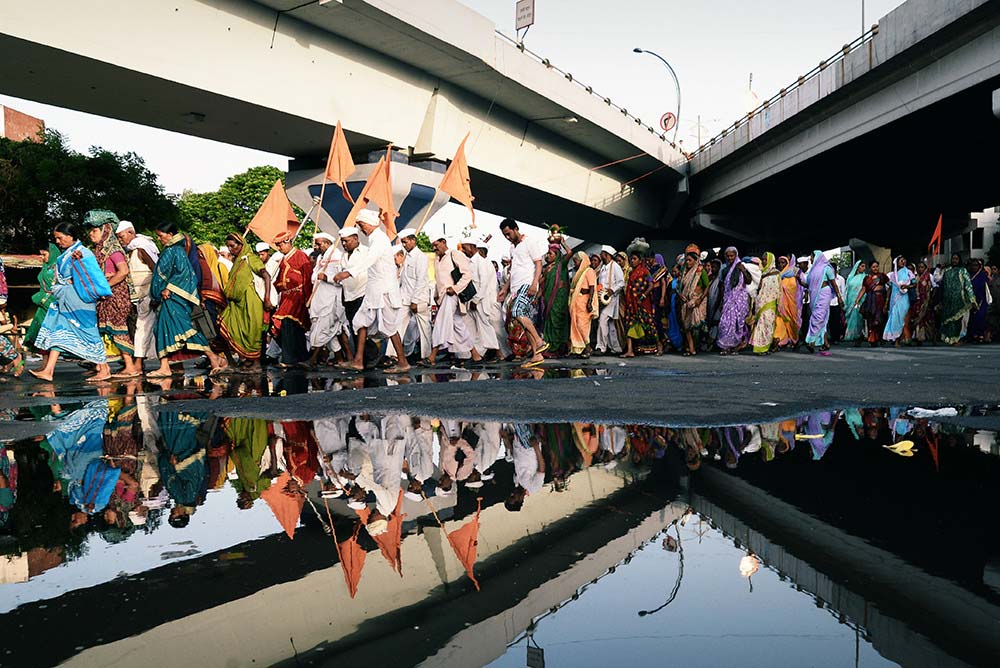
x=484, y=304
x=415, y=289
x=381, y=310
x=454, y=330
x=142, y=257
x=611, y=277
x=492, y=289
x=326, y=306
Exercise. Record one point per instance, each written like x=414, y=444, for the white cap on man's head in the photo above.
x=484, y=240
x=368, y=216
x=803, y=258
x=348, y=232
x=408, y=232
x=323, y=235
x=124, y=226
x=610, y=250
x=262, y=246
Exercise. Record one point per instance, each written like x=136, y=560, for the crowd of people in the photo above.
x=109, y=293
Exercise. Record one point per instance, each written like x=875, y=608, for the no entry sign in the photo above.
x=668, y=121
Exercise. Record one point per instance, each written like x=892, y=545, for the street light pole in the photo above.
x=677, y=83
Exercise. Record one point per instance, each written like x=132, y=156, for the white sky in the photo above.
x=713, y=45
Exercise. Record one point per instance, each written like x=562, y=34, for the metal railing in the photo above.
x=589, y=89
x=845, y=50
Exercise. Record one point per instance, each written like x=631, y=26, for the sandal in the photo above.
x=395, y=370
x=18, y=369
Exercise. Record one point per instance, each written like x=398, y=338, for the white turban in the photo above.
x=408, y=232
x=368, y=216
x=803, y=258
x=610, y=250
x=484, y=240
x=124, y=226
x=348, y=232
x=324, y=235
x=262, y=246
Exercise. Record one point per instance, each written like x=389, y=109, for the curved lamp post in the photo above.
x=677, y=83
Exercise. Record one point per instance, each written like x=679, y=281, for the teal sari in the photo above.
x=174, y=331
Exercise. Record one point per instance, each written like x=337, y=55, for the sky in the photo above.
x=713, y=45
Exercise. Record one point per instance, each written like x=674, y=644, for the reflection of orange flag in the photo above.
x=339, y=164
x=935, y=242
x=391, y=542
x=456, y=181
x=378, y=190
x=352, y=561
x=275, y=216
x=464, y=542
x=286, y=508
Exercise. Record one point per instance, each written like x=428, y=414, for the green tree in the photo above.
x=43, y=183
x=424, y=242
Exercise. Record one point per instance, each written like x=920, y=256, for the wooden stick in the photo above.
x=428, y=213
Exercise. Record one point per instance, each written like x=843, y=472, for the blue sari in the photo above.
x=173, y=273
x=674, y=327
x=70, y=324
x=899, y=304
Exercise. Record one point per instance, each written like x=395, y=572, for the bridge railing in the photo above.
x=589, y=89
x=752, y=120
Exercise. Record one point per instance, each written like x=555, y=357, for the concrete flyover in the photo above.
x=874, y=143
x=276, y=75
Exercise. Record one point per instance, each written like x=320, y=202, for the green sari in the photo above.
x=855, y=319
x=249, y=438
x=554, y=303
x=241, y=324
x=44, y=296
x=957, y=299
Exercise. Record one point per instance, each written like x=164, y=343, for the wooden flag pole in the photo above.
x=304, y=219
x=428, y=212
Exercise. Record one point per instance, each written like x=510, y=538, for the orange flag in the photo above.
x=339, y=164
x=378, y=189
x=352, y=561
x=275, y=216
x=465, y=542
x=456, y=181
x=935, y=243
x=286, y=507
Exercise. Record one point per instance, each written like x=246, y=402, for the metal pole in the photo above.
x=677, y=83
x=862, y=17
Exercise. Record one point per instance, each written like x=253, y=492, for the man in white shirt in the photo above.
x=382, y=306
x=270, y=258
x=454, y=329
x=611, y=278
x=491, y=291
x=225, y=257
x=484, y=305
x=529, y=463
x=523, y=284
x=353, y=274
x=142, y=256
x=326, y=306
x=414, y=290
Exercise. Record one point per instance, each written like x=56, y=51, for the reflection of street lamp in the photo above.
x=676, y=83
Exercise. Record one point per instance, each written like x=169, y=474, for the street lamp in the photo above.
x=677, y=83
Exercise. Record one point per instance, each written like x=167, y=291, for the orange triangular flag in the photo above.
x=377, y=189
x=935, y=242
x=391, y=542
x=456, y=181
x=352, y=561
x=286, y=507
x=465, y=541
x=339, y=164
x=275, y=216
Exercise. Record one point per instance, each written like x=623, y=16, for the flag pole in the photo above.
x=428, y=212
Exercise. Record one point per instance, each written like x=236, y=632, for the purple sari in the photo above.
x=820, y=296
x=978, y=326
x=733, y=329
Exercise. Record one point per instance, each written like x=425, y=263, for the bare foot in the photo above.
x=40, y=376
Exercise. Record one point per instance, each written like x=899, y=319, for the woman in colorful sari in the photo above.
x=70, y=324
x=957, y=300
x=922, y=325
x=733, y=329
x=874, y=293
x=789, y=319
x=113, y=312
x=855, y=321
x=173, y=292
x=44, y=296
x=553, y=299
x=640, y=330
x=693, y=297
x=291, y=319
x=822, y=284
x=241, y=325
x=978, y=326
x=897, y=324
x=661, y=297
x=214, y=275
x=582, y=305
x=766, y=304
x=674, y=333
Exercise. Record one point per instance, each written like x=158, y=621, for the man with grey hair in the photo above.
x=142, y=257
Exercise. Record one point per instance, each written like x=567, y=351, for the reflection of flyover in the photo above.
x=517, y=553
x=911, y=617
x=278, y=74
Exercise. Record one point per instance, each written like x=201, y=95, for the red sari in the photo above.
x=294, y=284
x=875, y=309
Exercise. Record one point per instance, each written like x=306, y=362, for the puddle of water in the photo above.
x=857, y=535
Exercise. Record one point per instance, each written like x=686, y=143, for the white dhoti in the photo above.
x=381, y=319
x=453, y=330
x=486, y=335
x=607, y=329
x=415, y=328
x=328, y=318
x=488, y=448
x=145, y=330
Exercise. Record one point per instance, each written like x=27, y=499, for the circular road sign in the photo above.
x=668, y=121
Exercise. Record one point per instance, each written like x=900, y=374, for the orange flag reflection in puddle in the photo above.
x=275, y=216
x=352, y=560
x=464, y=542
x=390, y=542
x=286, y=507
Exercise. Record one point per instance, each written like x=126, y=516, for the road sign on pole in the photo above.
x=668, y=121
x=524, y=14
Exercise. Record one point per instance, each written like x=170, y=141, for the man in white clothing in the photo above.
x=225, y=257
x=523, y=284
x=326, y=306
x=142, y=256
x=353, y=274
x=529, y=463
x=414, y=288
x=484, y=305
x=381, y=309
x=611, y=278
x=454, y=330
x=497, y=316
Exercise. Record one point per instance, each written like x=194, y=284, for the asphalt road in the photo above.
x=668, y=390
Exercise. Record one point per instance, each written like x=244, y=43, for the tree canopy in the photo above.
x=46, y=182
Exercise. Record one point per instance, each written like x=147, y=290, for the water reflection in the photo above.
x=123, y=487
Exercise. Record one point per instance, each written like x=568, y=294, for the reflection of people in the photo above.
x=182, y=464
x=249, y=438
x=529, y=464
